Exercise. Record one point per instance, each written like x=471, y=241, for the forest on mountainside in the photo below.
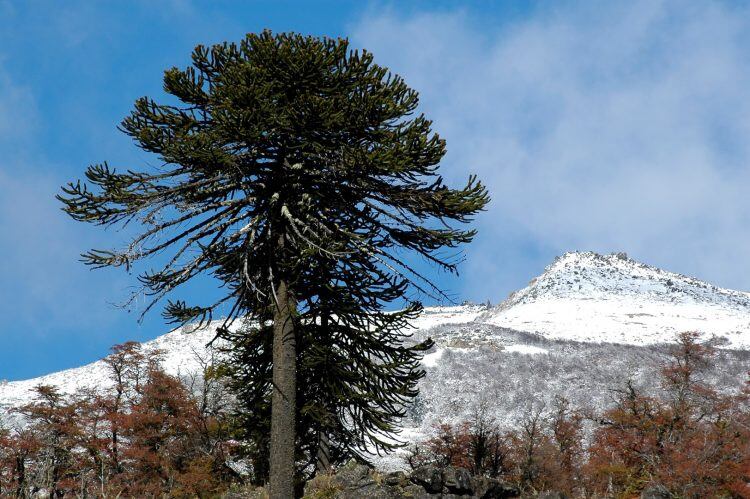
x=154, y=435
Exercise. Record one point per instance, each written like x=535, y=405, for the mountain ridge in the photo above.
x=585, y=324
x=585, y=296
x=571, y=279
x=588, y=267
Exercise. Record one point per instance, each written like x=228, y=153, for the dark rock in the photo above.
x=355, y=481
x=552, y=494
x=372, y=491
x=492, y=488
x=655, y=491
x=353, y=475
x=395, y=478
x=416, y=492
x=429, y=477
x=458, y=481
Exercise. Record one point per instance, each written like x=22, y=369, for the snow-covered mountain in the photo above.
x=183, y=351
x=582, y=327
x=611, y=298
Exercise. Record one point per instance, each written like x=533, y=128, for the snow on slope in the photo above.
x=611, y=298
x=583, y=326
x=583, y=297
x=435, y=316
x=183, y=349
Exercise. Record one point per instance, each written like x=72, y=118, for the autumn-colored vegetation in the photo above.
x=146, y=435
x=149, y=434
x=690, y=439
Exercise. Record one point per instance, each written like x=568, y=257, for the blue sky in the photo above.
x=606, y=126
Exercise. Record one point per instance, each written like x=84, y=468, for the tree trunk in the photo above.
x=283, y=402
x=21, y=468
x=323, y=457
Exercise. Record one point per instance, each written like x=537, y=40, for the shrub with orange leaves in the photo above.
x=147, y=436
x=693, y=440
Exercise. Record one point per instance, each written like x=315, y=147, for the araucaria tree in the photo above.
x=297, y=172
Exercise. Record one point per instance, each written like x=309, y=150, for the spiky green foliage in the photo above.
x=295, y=158
x=354, y=384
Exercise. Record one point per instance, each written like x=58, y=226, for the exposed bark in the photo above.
x=284, y=395
x=323, y=457
x=21, y=468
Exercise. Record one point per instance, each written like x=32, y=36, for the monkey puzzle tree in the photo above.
x=355, y=378
x=278, y=153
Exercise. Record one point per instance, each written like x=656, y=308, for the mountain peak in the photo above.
x=586, y=296
x=588, y=275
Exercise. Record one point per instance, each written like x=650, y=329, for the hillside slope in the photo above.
x=183, y=351
x=580, y=329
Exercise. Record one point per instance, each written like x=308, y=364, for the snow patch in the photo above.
x=525, y=349
x=431, y=359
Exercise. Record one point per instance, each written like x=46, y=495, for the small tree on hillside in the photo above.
x=279, y=152
x=692, y=439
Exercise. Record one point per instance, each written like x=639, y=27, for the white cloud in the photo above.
x=608, y=127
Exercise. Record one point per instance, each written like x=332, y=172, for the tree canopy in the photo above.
x=299, y=173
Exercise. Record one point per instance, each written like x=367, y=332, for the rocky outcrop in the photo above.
x=355, y=481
